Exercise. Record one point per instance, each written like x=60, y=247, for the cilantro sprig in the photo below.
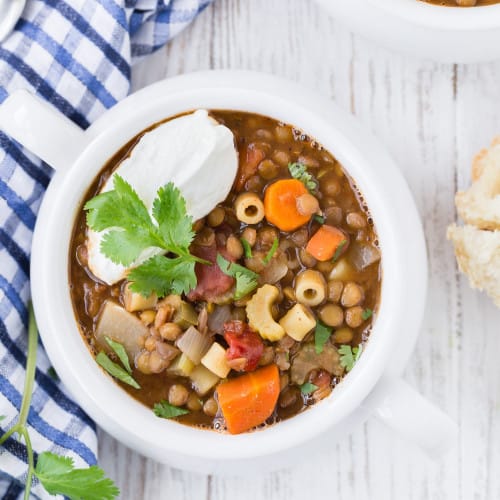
x=164, y=409
x=349, y=356
x=299, y=171
x=246, y=280
x=130, y=230
x=56, y=473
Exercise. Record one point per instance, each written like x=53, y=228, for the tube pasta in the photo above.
x=249, y=208
x=310, y=288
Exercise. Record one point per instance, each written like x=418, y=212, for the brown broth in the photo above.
x=338, y=196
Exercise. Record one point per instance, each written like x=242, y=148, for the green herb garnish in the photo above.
x=2, y=417
x=338, y=252
x=131, y=230
x=366, y=314
x=59, y=477
x=271, y=252
x=299, y=171
x=319, y=218
x=349, y=356
x=52, y=374
x=120, y=351
x=321, y=335
x=56, y=473
x=308, y=388
x=164, y=409
x=247, y=248
x=246, y=280
x=116, y=370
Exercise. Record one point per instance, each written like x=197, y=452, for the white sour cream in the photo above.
x=196, y=153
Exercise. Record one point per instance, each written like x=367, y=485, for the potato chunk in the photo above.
x=298, y=322
x=121, y=326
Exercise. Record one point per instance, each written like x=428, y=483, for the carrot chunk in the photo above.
x=280, y=204
x=249, y=400
x=327, y=242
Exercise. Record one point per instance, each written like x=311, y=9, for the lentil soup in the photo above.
x=462, y=3
x=287, y=288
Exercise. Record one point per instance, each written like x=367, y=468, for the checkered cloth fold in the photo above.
x=76, y=54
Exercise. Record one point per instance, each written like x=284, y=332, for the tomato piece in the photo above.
x=244, y=344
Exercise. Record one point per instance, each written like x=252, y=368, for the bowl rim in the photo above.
x=447, y=18
x=282, y=99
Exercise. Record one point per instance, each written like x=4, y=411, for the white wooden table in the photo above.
x=433, y=118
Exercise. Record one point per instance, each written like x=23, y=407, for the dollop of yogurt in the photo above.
x=196, y=153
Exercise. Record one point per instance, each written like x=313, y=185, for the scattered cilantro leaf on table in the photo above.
x=56, y=473
x=59, y=476
x=130, y=230
x=299, y=171
x=164, y=409
x=246, y=280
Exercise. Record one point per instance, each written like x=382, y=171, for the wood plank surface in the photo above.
x=433, y=118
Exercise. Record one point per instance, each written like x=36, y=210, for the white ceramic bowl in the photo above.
x=444, y=34
x=371, y=386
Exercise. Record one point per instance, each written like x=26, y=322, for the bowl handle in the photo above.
x=407, y=412
x=42, y=129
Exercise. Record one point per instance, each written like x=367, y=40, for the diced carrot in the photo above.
x=327, y=242
x=280, y=204
x=249, y=400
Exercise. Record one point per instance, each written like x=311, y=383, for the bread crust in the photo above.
x=480, y=204
x=477, y=243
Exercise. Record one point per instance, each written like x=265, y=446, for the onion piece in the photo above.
x=362, y=255
x=194, y=344
x=218, y=317
x=275, y=270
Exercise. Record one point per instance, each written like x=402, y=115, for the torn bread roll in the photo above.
x=478, y=256
x=477, y=243
x=480, y=204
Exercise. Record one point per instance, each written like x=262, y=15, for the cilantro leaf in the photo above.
x=338, y=252
x=58, y=476
x=163, y=276
x=308, y=388
x=321, y=335
x=299, y=171
x=246, y=280
x=349, y=355
x=120, y=207
x=247, y=248
x=130, y=230
x=116, y=370
x=123, y=247
x=366, y=314
x=120, y=351
x=164, y=409
x=175, y=225
x=271, y=252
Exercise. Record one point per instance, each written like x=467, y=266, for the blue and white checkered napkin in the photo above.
x=76, y=54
